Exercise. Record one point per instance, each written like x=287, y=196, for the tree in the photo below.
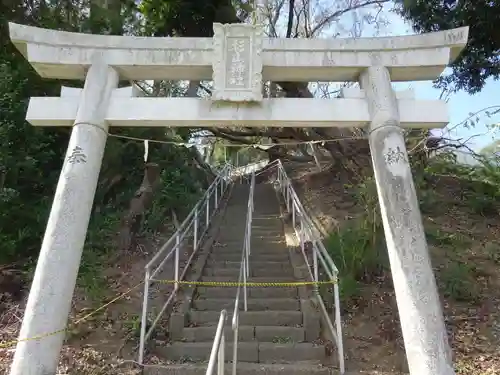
x=479, y=60
x=31, y=158
x=304, y=18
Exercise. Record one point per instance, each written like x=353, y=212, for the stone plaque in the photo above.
x=237, y=62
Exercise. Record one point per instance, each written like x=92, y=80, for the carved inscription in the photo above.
x=454, y=36
x=394, y=156
x=394, y=59
x=77, y=156
x=237, y=63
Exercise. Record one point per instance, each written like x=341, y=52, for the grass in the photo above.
x=282, y=340
x=96, y=253
x=457, y=282
x=358, y=247
x=492, y=251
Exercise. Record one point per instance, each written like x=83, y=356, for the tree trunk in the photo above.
x=131, y=222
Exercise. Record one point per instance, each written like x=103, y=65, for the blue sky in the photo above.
x=459, y=104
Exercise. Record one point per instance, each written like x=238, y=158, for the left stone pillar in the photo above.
x=51, y=292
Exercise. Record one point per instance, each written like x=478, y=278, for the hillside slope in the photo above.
x=462, y=224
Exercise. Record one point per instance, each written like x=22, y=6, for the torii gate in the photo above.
x=238, y=59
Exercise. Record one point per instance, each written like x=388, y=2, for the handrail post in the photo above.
x=216, y=354
x=315, y=266
x=247, y=247
x=235, y=344
x=216, y=203
x=208, y=211
x=288, y=195
x=195, y=229
x=221, y=357
x=338, y=325
x=144, y=317
x=302, y=242
x=177, y=250
x=245, y=285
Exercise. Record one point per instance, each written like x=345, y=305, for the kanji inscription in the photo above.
x=77, y=156
x=237, y=64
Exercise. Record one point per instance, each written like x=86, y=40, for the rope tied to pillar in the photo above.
x=100, y=127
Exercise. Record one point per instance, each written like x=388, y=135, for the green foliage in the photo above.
x=492, y=250
x=479, y=61
x=98, y=247
x=31, y=158
x=438, y=237
x=133, y=324
x=28, y=160
x=480, y=183
x=458, y=282
x=189, y=18
x=180, y=187
x=359, y=249
x=491, y=150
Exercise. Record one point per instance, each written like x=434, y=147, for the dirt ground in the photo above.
x=107, y=342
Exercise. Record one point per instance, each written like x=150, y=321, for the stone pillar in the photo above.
x=422, y=322
x=52, y=289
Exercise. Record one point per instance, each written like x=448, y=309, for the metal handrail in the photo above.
x=199, y=221
x=306, y=231
x=218, y=347
x=249, y=168
x=244, y=272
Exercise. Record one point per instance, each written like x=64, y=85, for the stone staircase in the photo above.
x=276, y=334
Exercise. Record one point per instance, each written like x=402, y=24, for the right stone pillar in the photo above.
x=422, y=323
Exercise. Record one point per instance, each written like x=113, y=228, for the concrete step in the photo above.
x=230, y=292
x=298, y=368
x=274, y=227
x=253, y=304
x=254, y=271
x=280, y=335
x=260, y=279
x=274, y=236
x=200, y=351
x=282, y=353
x=257, y=247
x=233, y=236
x=262, y=352
x=259, y=257
x=204, y=334
x=274, y=239
x=253, y=263
x=256, y=255
x=250, y=318
x=274, y=334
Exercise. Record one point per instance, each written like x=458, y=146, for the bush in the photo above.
x=359, y=249
x=480, y=184
x=457, y=282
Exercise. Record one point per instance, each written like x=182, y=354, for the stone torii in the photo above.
x=238, y=59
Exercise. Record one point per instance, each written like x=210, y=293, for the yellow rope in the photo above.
x=248, y=284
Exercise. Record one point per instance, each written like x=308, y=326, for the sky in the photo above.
x=460, y=104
